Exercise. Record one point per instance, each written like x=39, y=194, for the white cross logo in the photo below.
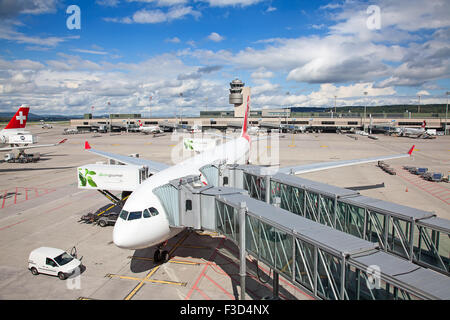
x=21, y=117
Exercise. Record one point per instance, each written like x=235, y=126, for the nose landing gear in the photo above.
x=161, y=256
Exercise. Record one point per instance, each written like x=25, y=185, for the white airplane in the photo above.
x=143, y=221
x=196, y=129
x=16, y=138
x=417, y=132
x=151, y=129
x=253, y=130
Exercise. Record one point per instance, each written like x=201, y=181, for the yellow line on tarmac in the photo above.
x=109, y=208
x=136, y=289
x=148, y=280
x=170, y=261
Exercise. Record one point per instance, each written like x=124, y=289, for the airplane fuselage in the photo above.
x=148, y=231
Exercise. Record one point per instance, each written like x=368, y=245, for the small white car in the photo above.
x=52, y=261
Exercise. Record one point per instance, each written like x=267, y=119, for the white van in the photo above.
x=52, y=261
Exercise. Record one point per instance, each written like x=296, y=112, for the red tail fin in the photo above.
x=19, y=120
x=411, y=150
x=424, y=124
x=245, y=124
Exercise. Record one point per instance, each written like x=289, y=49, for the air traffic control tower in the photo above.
x=238, y=97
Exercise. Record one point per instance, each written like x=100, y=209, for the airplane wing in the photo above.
x=337, y=164
x=153, y=166
x=33, y=146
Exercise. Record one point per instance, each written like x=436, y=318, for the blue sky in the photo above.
x=292, y=53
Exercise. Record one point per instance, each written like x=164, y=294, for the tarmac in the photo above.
x=40, y=205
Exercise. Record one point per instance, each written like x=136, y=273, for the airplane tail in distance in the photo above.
x=424, y=124
x=245, y=124
x=19, y=120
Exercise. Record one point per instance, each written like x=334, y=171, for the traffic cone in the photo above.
x=406, y=189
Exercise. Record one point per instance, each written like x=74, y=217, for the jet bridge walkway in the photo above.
x=416, y=235
x=321, y=260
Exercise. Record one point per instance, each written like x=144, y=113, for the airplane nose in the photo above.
x=121, y=237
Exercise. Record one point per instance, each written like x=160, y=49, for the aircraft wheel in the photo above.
x=164, y=256
x=157, y=256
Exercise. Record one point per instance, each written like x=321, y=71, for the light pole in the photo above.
x=149, y=106
x=418, y=107
x=365, y=107
x=335, y=104
x=446, y=113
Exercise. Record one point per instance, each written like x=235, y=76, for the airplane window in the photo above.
x=146, y=213
x=153, y=211
x=135, y=215
x=124, y=214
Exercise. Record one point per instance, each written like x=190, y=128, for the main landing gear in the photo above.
x=161, y=256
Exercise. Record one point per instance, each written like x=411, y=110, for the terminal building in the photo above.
x=315, y=119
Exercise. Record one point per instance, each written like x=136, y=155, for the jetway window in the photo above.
x=327, y=211
x=283, y=252
x=225, y=181
x=188, y=205
x=328, y=275
x=252, y=234
x=304, y=263
x=226, y=219
x=399, y=236
x=135, y=215
x=432, y=247
x=124, y=215
x=375, y=228
x=266, y=242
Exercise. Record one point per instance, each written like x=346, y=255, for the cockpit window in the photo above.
x=124, y=214
x=135, y=215
x=153, y=212
x=146, y=213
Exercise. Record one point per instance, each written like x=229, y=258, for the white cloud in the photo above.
x=108, y=3
x=214, y=36
x=90, y=51
x=225, y=3
x=173, y=40
x=145, y=16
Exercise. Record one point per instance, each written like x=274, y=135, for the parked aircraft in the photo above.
x=150, y=129
x=143, y=221
x=413, y=132
x=16, y=138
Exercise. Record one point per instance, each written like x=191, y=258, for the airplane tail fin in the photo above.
x=19, y=120
x=411, y=150
x=424, y=124
x=244, y=133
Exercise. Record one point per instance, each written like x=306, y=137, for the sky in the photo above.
x=164, y=57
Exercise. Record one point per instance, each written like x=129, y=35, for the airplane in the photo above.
x=16, y=137
x=416, y=132
x=253, y=130
x=196, y=129
x=143, y=221
x=151, y=129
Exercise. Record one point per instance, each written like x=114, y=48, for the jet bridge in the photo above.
x=416, y=235
x=320, y=259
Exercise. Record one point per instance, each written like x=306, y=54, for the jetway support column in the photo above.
x=276, y=281
x=243, y=265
